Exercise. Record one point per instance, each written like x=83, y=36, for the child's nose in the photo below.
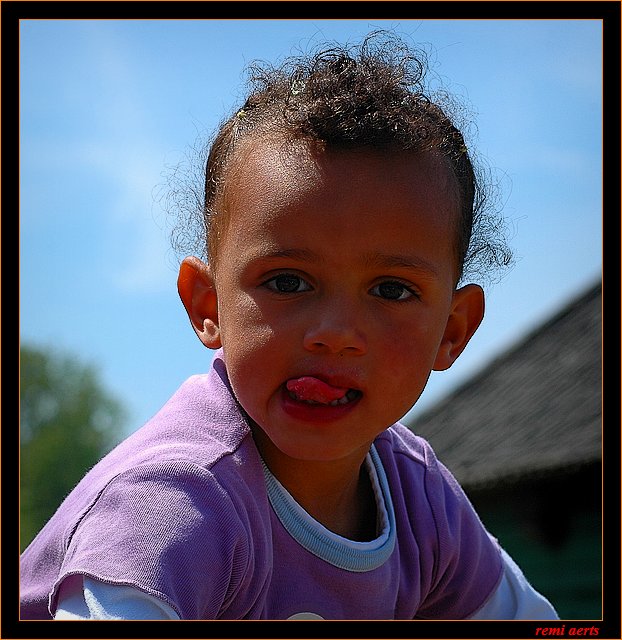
x=337, y=329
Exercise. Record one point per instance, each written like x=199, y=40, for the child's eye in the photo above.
x=287, y=283
x=392, y=290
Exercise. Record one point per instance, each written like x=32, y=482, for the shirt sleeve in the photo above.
x=463, y=561
x=515, y=598
x=84, y=598
x=170, y=531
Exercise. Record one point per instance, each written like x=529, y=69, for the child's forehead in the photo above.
x=275, y=168
x=271, y=184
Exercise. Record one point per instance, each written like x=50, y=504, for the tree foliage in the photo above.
x=68, y=421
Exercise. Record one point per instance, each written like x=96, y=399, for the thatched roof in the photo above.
x=534, y=409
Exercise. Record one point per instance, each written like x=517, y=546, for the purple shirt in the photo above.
x=185, y=511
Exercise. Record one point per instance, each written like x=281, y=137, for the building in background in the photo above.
x=523, y=438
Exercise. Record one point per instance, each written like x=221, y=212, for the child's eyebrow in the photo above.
x=293, y=254
x=372, y=260
x=390, y=261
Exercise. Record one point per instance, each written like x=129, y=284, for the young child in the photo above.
x=341, y=209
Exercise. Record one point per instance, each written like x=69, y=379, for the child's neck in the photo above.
x=338, y=494
x=346, y=508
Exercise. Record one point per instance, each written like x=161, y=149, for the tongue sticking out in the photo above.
x=312, y=389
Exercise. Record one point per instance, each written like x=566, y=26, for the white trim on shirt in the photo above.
x=515, y=598
x=84, y=598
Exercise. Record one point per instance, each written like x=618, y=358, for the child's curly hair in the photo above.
x=370, y=95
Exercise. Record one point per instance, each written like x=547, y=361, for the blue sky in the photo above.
x=108, y=107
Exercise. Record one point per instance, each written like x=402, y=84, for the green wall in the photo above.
x=552, y=528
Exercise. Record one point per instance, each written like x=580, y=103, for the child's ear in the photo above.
x=195, y=285
x=467, y=311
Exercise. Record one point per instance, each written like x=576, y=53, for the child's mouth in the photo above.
x=312, y=390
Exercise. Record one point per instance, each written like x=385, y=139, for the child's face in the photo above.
x=338, y=266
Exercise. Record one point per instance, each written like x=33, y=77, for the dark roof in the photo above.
x=534, y=409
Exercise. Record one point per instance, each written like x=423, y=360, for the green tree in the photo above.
x=67, y=423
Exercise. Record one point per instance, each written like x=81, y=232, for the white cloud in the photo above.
x=113, y=138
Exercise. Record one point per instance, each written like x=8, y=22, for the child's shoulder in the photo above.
x=403, y=442
x=201, y=423
x=197, y=439
x=412, y=463
x=195, y=456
